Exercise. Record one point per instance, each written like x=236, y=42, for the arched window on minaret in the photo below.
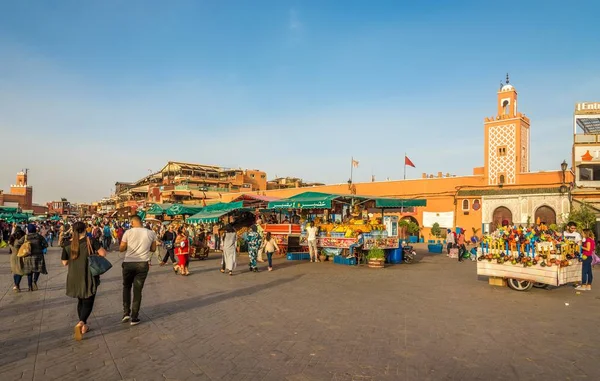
x=506, y=107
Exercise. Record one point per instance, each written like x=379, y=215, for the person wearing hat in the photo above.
x=34, y=264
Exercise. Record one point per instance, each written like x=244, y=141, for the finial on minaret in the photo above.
x=507, y=80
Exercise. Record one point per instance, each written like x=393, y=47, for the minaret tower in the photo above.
x=506, y=140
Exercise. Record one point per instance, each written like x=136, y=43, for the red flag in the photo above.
x=408, y=162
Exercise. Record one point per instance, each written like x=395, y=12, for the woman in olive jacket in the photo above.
x=33, y=264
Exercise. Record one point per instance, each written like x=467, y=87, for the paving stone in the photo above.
x=433, y=320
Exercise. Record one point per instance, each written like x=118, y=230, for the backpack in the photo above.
x=25, y=249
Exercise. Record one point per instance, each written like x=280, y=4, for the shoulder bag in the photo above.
x=25, y=249
x=98, y=265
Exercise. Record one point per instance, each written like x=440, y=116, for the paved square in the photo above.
x=432, y=320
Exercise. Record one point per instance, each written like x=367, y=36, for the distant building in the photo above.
x=289, y=182
x=179, y=182
x=21, y=194
x=62, y=207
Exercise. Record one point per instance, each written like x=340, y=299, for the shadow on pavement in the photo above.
x=15, y=349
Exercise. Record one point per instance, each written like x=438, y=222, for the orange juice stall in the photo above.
x=340, y=219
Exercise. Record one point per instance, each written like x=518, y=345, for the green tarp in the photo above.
x=204, y=218
x=180, y=210
x=212, y=213
x=55, y=218
x=220, y=206
x=158, y=209
x=306, y=200
x=317, y=200
x=8, y=209
x=15, y=217
x=397, y=203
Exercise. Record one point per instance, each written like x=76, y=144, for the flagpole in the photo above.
x=404, y=165
x=351, y=168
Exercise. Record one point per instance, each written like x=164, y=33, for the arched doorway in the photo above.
x=500, y=214
x=402, y=228
x=546, y=214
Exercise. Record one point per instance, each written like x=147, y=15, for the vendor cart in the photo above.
x=522, y=271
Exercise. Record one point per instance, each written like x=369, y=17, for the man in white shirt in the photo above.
x=572, y=234
x=311, y=232
x=138, y=243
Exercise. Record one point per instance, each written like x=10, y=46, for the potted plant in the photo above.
x=322, y=257
x=376, y=258
x=413, y=230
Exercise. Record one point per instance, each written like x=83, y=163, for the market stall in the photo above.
x=524, y=258
x=340, y=218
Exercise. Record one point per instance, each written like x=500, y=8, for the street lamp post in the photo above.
x=563, y=167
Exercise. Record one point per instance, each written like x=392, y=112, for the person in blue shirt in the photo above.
x=106, y=237
x=360, y=240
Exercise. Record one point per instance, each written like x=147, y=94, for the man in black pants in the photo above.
x=138, y=243
x=168, y=240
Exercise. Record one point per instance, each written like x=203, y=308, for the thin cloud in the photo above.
x=294, y=23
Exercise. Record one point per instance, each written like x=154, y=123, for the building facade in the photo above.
x=503, y=189
x=21, y=194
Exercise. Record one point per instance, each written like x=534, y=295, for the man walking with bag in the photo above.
x=138, y=243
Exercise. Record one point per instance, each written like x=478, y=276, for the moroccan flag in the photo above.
x=355, y=163
x=408, y=162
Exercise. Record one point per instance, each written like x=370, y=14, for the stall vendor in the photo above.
x=571, y=233
x=360, y=241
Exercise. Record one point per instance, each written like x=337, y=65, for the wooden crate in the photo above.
x=495, y=281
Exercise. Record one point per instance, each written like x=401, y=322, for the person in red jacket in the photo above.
x=182, y=250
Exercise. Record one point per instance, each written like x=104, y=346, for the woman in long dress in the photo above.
x=254, y=241
x=229, y=249
x=81, y=284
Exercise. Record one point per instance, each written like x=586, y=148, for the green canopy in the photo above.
x=16, y=217
x=180, y=209
x=157, y=209
x=142, y=214
x=55, y=218
x=223, y=206
x=397, y=203
x=306, y=200
x=8, y=209
x=205, y=217
x=212, y=213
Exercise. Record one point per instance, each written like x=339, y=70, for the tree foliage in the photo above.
x=436, y=230
x=583, y=216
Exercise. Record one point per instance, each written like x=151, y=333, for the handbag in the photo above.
x=595, y=259
x=98, y=265
x=25, y=249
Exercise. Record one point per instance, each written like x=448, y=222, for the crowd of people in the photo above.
x=28, y=244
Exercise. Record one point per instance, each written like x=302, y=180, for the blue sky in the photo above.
x=101, y=91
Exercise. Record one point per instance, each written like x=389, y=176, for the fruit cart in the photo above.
x=286, y=235
x=542, y=265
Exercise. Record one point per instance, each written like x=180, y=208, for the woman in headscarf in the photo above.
x=16, y=262
x=230, y=249
x=80, y=282
x=34, y=263
x=254, y=241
